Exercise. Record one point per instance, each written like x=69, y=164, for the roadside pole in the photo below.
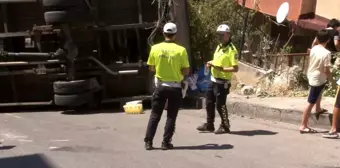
x=183, y=24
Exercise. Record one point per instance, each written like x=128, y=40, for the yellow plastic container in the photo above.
x=133, y=109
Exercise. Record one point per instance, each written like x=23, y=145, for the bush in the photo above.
x=329, y=90
x=205, y=16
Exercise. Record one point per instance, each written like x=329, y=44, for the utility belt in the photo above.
x=173, y=84
x=224, y=82
x=219, y=80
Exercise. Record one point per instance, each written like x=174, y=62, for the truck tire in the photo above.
x=62, y=3
x=74, y=100
x=75, y=87
x=70, y=16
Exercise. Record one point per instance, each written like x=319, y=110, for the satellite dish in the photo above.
x=282, y=13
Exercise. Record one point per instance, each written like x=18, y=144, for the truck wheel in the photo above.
x=75, y=87
x=74, y=100
x=62, y=3
x=70, y=16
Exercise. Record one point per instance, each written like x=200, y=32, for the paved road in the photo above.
x=115, y=140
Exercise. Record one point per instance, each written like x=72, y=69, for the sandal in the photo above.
x=321, y=112
x=308, y=131
x=331, y=135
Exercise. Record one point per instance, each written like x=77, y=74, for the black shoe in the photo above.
x=206, y=128
x=167, y=145
x=148, y=146
x=222, y=130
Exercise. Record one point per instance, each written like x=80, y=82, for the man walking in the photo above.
x=222, y=66
x=170, y=63
x=317, y=74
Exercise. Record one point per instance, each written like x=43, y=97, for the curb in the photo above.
x=275, y=114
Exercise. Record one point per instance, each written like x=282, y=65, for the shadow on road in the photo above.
x=103, y=109
x=29, y=109
x=253, y=132
x=80, y=112
x=107, y=108
x=6, y=147
x=205, y=147
x=32, y=161
x=90, y=112
x=322, y=132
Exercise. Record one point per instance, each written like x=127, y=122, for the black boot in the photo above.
x=167, y=145
x=223, y=129
x=148, y=145
x=206, y=128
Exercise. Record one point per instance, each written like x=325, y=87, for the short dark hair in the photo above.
x=333, y=23
x=323, y=36
x=168, y=35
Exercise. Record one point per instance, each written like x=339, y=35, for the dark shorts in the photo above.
x=337, y=98
x=314, y=93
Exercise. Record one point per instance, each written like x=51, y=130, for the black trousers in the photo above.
x=160, y=96
x=216, y=97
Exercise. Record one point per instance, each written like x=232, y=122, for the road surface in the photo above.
x=115, y=140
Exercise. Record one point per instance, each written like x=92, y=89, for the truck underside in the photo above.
x=79, y=52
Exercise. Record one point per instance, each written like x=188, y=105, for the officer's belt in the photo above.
x=173, y=84
x=219, y=80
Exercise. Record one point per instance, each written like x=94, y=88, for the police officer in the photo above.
x=170, y=63
x=222, y=66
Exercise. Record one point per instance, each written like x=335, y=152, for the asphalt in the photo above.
x=115, y=140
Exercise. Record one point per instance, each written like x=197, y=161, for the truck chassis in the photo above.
x=80, y=52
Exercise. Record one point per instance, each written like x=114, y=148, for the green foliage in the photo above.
x=286, y=49
x=301, y=81
x=205, y=16
x=329, y=90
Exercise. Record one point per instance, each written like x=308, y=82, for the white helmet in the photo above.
x=223, y=28
x=170, y=28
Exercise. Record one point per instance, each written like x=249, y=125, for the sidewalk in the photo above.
x=283, y=109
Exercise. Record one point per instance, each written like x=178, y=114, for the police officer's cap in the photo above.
x=223, y=28
x=170, y=28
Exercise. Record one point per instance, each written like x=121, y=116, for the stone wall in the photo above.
x=249, y=74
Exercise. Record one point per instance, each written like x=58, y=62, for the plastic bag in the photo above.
x=192, y=81
x=203, y=78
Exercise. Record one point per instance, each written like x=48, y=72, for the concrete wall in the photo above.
x=328, y=8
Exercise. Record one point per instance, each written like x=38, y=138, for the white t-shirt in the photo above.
x=319, y=58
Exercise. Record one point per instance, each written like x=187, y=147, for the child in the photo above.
x=318, y=73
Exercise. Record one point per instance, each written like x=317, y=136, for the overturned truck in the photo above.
x=74, y=53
